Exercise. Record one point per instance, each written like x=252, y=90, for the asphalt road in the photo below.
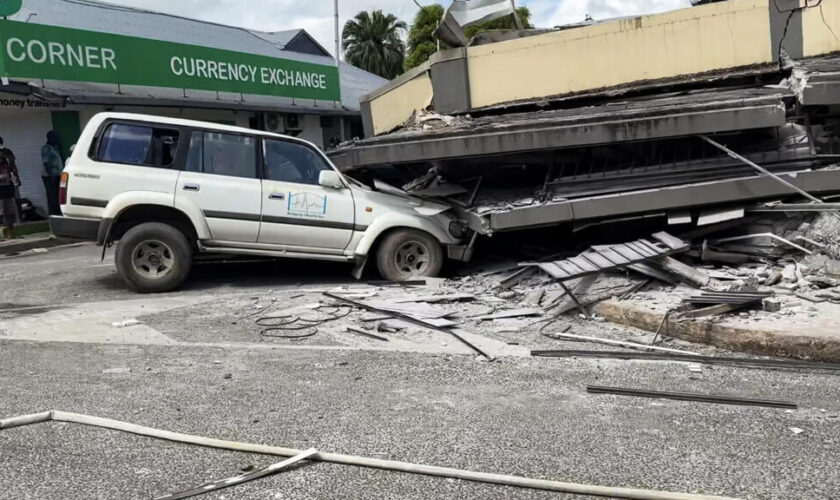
x=518, y=415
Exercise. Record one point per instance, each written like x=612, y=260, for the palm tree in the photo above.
x=372, y=41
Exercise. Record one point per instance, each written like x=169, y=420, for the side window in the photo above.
x=291, y=162
x=223, y=154
x=138, y=145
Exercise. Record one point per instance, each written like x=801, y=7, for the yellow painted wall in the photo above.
x=821, y=36
x=684, y=42
x=394, y=107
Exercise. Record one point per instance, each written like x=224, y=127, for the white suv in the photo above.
x=168, y=188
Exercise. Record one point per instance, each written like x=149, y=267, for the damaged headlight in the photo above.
x=458, y=229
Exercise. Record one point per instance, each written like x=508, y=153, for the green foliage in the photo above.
x=503, y=23
x=421, y=41
x=372, y=41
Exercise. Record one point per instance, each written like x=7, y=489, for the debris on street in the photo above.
x=357, y=461
x=683, y=396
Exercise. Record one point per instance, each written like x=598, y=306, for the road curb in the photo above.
x=17, y=246
x=796, y=345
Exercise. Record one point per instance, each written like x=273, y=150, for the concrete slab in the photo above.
x=800, y=330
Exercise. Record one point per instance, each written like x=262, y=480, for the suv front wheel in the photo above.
x=153, y=257
x=407, y=254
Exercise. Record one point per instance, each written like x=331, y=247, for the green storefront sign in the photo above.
x=53, y=53
x=9, y=7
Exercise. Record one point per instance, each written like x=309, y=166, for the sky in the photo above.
x=317, y=16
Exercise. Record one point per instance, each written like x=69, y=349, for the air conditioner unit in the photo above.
x=293, y=122
x=274, y=123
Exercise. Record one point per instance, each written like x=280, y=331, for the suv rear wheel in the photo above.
x=407, y=254
x=153, y=257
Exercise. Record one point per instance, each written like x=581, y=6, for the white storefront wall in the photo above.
x=24, y=132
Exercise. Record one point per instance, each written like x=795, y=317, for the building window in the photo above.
x=139, y=145
x=291, y=162
x=223, y=154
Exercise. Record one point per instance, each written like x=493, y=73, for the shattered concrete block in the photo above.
x=789, y=274
x=534, y=297
x=774, y=277
x=771, y=305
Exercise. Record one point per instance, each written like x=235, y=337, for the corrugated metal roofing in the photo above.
x=99, y=16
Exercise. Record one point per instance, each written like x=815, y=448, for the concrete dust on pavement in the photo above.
x=196, y=363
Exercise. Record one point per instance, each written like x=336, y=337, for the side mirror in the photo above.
x=330, y=179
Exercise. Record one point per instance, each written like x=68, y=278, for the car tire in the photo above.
x=153, y=258
x=409, y=254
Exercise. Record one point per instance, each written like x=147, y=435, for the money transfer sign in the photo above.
x=54, y=53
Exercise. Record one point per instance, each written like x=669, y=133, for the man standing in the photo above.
x=8, y=205
x=10, y=156
x=53, y=165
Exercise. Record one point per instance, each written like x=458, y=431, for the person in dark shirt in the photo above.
x=53, y=166
x=10, y=155
x=8, y=203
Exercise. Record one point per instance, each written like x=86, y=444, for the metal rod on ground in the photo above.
x=664, y=322
x=629, y=345
x=359, y=331
x=410, y=319
x=242, y=478
x=375, y=463
x=575, y=300
x=763, y=170
x=687, y=396
x=787, y=364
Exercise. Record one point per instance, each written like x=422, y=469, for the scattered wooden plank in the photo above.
x=418, y=310
x=629, y=345
x=711, y=311
x=688, y=273
x=455, y=297
x=671, y=242
x=653, y=273
x=514, y=313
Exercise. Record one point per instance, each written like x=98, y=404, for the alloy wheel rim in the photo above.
x=412, y=259
x=152, y=259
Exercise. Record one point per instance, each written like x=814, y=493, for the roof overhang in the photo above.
x=635, y=120
x=75, y=93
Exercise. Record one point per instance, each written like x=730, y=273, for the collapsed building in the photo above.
x=675, y=115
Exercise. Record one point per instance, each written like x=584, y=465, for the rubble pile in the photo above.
x=425, y=119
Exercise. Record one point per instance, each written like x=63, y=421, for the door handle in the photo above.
x=192, y=187
x=277, y=196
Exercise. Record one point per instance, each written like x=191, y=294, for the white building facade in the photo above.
x=59, y=67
